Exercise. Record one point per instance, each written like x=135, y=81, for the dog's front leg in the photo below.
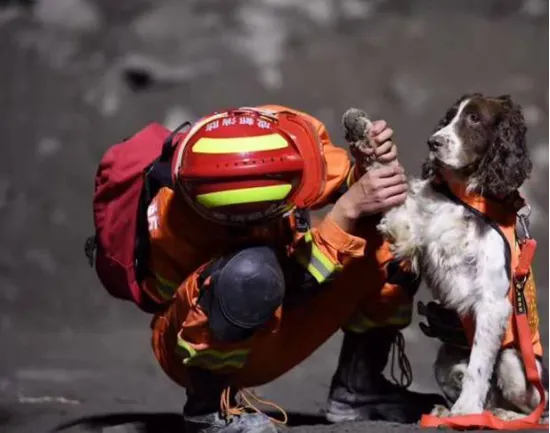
x=491, y=310
x=490, y=320
x=398, y=226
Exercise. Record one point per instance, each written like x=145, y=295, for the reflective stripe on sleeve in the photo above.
x=312, y=258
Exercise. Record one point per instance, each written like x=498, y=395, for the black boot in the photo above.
x=203, y=411
x=359, y=390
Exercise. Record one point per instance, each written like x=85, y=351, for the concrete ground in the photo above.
x=79, y=75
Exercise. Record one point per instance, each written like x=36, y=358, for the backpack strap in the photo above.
x=303, y=220
x=157, y=176
x=159, y=173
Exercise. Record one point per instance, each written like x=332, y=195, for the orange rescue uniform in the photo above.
x=352, y=269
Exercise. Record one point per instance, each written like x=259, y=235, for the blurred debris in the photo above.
x=41, y=258
x=53, y=45
x=142, y=71
x=48, y=146
x=105, y=96
x=321, y=12
x=54, y=374
x=355, y=9
x=116, y=12
x=262, y=40
x=358, y=9
x=47, y=399
x=77, y=15
x=163, y=21
x=9, y=12
x=535, y=8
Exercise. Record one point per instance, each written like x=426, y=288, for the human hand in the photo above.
x=375, y=192
x=385, y=150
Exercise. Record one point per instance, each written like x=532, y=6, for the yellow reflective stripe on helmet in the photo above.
x=239, y=145
x=244, y=195
x=401, y=319
x=313, y=259
x=166, y=287
x=210, y=359
x=190, y=134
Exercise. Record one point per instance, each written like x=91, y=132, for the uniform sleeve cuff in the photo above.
x=344, y=243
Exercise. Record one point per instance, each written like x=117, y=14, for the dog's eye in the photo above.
x=473, y=118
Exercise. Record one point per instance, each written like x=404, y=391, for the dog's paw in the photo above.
x=507, y=415
x=440, y=411
x=466, y=406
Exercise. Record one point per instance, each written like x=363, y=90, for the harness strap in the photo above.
x=487, y=419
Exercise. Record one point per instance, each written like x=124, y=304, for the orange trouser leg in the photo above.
x=391, y=307
x=299, y=331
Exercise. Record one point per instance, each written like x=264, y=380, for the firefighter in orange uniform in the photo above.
x=251, y=290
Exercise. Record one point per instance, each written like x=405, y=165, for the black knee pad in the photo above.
x=245, y=290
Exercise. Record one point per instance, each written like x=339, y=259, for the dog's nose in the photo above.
x=435, y=141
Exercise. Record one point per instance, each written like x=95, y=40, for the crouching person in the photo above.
x=249, y=290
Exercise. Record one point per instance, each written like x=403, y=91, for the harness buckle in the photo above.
x=524, y=220
x=520, y=283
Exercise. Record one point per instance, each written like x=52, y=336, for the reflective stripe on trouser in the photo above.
x=313, y=259
x=210, y=359
x=400, y=319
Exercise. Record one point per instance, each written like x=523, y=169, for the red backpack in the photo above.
x=128, y=177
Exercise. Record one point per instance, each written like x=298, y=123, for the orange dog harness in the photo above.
x=522, y=331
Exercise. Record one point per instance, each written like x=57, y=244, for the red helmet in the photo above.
x=248, y=165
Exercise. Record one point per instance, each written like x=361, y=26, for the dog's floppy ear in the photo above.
x=506, y=164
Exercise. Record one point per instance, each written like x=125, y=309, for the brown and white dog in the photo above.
x=481, y=142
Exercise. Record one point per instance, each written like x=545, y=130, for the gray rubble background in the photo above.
x=68, y=350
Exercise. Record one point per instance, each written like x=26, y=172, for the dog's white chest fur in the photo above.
x=454, y=250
